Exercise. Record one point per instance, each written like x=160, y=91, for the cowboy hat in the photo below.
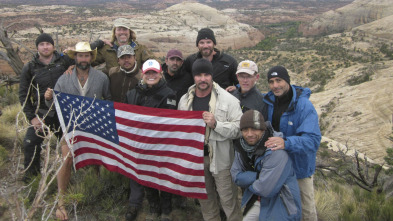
x=83, y=47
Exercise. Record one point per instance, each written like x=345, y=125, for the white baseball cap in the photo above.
x=248, y=67
x=151, y=64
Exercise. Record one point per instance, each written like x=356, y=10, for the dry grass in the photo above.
x=8, y=127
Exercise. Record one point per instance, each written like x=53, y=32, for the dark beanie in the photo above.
x=44, y=37
x=205, y=33
x=252, y=119
x=202, y=65
x=279, y=71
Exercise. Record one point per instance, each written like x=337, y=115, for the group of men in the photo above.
x=210, y=81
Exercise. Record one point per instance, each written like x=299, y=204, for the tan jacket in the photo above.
x=227, y=112
x=108, y=55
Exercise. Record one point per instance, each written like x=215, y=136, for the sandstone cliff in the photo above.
x=352, y=15
x=381, y=28
x=361, y=115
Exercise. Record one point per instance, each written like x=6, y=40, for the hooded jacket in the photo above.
x=224, y=68
x=41, y=76
x=299, y=124
x=227, y=113
x=108, y=54
x=273, y=181
x=179, y=82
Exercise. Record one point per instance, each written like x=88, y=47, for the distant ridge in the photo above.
x=357, y=13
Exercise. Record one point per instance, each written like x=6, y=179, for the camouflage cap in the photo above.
x=121, y=23
x=125, y=49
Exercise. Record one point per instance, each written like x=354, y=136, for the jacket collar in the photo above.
x=133, y=44
x=56, y=56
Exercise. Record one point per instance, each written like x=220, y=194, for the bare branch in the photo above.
x=8, y=26
x=24, y=46
x=4, y=56
x=39, y=28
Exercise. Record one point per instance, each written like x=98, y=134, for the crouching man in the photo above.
x=268, y=178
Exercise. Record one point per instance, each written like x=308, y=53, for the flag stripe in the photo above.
x=158, y=134
x=164, y=113
x=159, y=127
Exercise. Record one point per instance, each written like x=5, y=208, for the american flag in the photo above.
x=159, y=148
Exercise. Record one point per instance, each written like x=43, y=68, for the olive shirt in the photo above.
x=108, y=54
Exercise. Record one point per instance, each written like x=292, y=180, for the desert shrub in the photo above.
x=8, y=96
x=103, y=192
x=364, y=76
x=355, y=80
x=267, y=44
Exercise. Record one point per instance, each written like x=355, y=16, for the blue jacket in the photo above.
x=299, y=124
x=276, y=185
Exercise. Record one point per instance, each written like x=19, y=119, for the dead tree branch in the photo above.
x=360, y=172
x=12, y=56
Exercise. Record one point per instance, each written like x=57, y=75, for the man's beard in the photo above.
x=206, y=53
x=83, y=67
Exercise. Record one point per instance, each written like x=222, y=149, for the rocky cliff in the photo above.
x=357, y=13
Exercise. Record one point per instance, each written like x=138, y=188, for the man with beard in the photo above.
x=176, y=79
x=121, y=35
x=126, y=76
x=41, y=73
x=292, y=113
x=221, y=113
x=84, y=81
x=224, y=65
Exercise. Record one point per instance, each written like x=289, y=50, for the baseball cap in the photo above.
x=125, y=49
x=248, y=67
x=121, y=22
x=174, y=53
x=151, y=64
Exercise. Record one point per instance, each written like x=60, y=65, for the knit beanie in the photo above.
x=252, y=119
x=202, y=65
x=44, y=37
x=279, y=71
x=205, y=33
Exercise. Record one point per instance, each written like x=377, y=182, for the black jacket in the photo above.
x=253, y=99
x=224, y=68
x=41, y=77
x=180, y=82
x=158, y=96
